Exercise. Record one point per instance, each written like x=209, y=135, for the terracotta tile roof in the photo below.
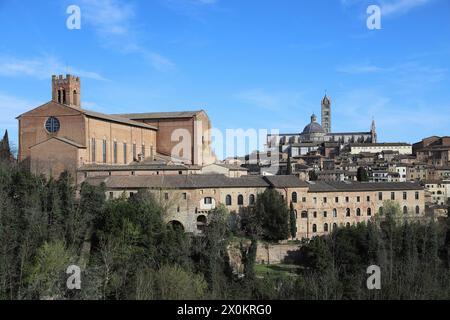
x=160, y=115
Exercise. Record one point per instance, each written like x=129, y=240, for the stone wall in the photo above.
x=277, y=253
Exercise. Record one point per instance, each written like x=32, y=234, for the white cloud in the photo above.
x=41, y=68
x=359, y=69
x=109, y=17
x=400, y=6
x=388, y=7
x=114, y=22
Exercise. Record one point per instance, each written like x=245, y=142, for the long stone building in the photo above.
x=319, y=206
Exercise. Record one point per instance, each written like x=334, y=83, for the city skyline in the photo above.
x=250, y=66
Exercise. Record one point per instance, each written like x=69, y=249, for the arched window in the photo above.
x=369, y=212
x=240, y=200
x=405, y=210
x=251, y=199
x=228, y=200
x=325, y=227
x=347, y=212
x=358, y=212
x=335, y=213
x=347, y=224
x=417, y=209
x=201, y=222
x=64, y=97
x=314, y=228
x=294, y=197
x=334, y=226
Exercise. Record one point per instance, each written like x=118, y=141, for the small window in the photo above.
x=184, y=195
x=380, y=196
x=336, y=199
x=240, y=200
x=134, y=152
x=166, y=196
x=314, y=228
x=304, y=214
x=347, y=212
x=335, y=213
x=125, y=160
x=405, y=196
x=304, y=199
x=368, y=198
x=358, y=199
x=417, y=195
x=324, y=200
x=325, y=214
x=294, y=197
x=228, y=200
x=325, y=227
x=417, y=210
x=369, y=212
x=405, y=210
x=315, y=214
x=208, y=200
x=392, y=195
x=347, y=199
x=358, y=212
x=251, y=199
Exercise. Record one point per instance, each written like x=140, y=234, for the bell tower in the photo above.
x=326, y=114
x=66, y=90
x=373, y=132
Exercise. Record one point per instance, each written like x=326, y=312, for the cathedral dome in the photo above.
x=313, y=127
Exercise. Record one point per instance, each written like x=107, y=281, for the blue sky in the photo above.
x=249, y=64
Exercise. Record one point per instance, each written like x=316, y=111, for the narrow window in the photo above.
x=314, y=228
x=124, y=153
x=134, y=152
x=104, y=151
x=294, y=197
x=93, y=149
x=115, y=151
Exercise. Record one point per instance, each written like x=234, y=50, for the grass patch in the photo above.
x=276, y=270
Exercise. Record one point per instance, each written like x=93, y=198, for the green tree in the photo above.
x=170, y=283
x=289, y=166
x=292, y=221
x=313, y=175
x=362, y=175
x=46, y=277
x=273, y=215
